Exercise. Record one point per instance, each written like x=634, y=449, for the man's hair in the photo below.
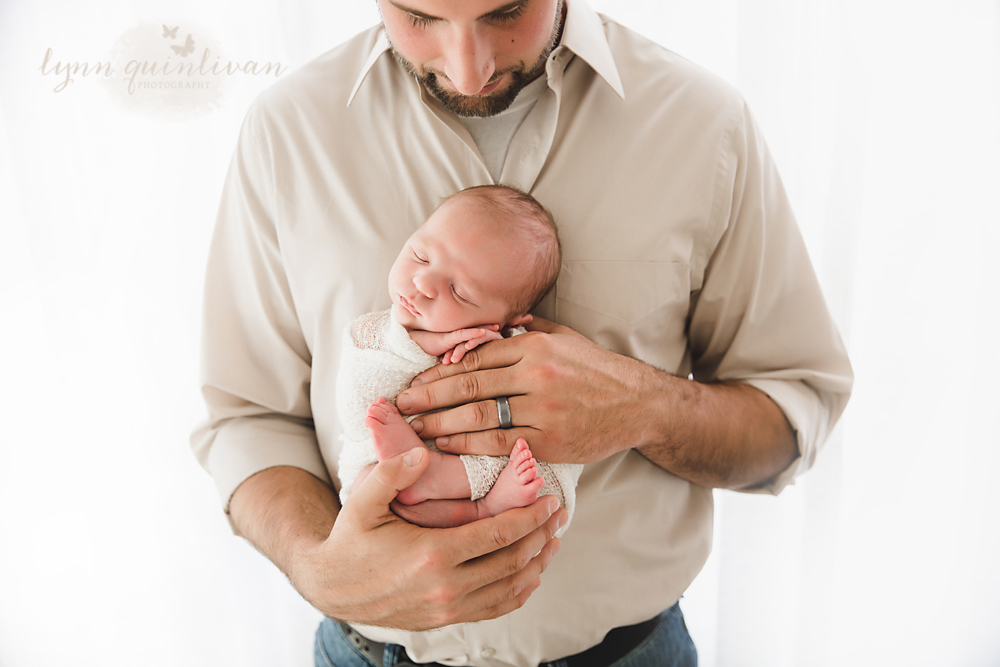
x=523, y=215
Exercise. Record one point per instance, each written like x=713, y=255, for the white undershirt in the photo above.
x=493, y=134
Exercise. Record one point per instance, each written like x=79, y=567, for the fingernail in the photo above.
x=417, y=426
x=403, y=402
x=562, y=521
x=442, y=442
x=412, y=457
x=416, y=382
x=556, y=547
x=553, y=506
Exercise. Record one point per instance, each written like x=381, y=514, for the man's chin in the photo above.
x=476, y=106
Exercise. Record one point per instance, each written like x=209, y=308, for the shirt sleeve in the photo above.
x=760, y=316
x=255, y=363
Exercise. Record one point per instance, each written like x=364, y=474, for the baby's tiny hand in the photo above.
x=444, y=344
x=455, y=355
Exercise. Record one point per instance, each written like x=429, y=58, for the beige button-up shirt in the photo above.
x=680, y=249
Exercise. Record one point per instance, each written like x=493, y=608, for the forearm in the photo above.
x=284, y=512
x=726, y=435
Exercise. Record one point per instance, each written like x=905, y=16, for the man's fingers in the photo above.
x=499, y=578
x=477, y=416
x=545, y=326
x=371, y=498
x=510, y=593
x=461, y=388
x=510, y=560
x=496, y=533
x=493, y=442
x=502, y=353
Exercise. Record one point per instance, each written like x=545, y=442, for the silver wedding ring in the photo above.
x=503, y=409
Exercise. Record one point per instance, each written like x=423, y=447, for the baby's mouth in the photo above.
x=408, y=305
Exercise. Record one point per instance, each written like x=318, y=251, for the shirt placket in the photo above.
x=479, y=172
x=489, y=644
x=530, y=145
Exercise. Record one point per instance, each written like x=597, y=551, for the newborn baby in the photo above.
x=473, y=270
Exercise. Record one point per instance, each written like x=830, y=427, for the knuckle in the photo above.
x=546, y=372
x=539, y=340
x=471, y=362
x=443, y=596
x=480, y=415
x=430, y=560
x=511, y=591
x=520, y=560
x=468, y=386
x=497, y=440
x=499, y=536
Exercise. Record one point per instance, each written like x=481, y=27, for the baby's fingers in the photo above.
x=450, y=357
x=485, y=338
x=468, y=342
x=463, y=335
x=459, y=352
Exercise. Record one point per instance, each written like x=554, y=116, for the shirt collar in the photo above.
x=381, y=46
x=583, y=34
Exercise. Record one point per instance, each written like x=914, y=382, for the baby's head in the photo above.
x=487, y=255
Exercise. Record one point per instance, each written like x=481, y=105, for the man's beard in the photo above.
x=483, y=106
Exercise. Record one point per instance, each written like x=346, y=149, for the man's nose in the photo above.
x=469, y=60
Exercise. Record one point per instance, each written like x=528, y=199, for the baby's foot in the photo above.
x=517, y=485
x=444, y=477
x=391, y=433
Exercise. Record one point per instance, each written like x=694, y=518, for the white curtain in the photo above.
x=884, y=117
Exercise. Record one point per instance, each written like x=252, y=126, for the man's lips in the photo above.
x=486, y=90
x=408, y=305
x=490, y=87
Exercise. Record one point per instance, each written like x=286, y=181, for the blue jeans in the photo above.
x=668, y=645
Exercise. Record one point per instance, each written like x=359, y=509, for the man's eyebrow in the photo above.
x=494, y=12
x=504, y=9
x=408, y=10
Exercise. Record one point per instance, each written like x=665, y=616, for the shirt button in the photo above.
x=487, y=653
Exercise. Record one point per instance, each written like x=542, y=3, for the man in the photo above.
x=680, y=253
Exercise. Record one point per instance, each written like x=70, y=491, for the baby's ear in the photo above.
x=519, y=321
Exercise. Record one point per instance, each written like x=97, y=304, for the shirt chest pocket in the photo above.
x=635, y=308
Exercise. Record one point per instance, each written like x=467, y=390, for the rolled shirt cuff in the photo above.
x=244, y=446
x=809, y=416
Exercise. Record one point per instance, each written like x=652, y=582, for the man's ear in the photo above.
x=519, y=321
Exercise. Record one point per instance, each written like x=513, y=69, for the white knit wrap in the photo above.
x=380, y=359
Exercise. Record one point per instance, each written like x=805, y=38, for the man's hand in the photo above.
x=376, y=569
x=575, y=402
x=572, y=400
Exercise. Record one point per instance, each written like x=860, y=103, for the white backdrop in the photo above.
x=884, y=116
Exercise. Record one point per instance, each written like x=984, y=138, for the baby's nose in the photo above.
x=424, y=285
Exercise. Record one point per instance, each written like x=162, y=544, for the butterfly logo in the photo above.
x=170, y=32
x=186, y=50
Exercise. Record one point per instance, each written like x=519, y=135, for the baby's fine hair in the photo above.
x=527, y=217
